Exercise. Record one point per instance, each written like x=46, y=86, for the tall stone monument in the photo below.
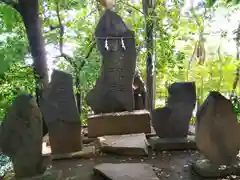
x=114, y=93
x=113, y=90
x=61, y=114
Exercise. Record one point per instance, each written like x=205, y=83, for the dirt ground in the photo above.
x=167, y=165
x=175, y=165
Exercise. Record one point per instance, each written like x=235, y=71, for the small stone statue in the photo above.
x=139, y=90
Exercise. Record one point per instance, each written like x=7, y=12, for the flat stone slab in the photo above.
x=87, y=152
x=125, y=171
x=164, y=144
x=130, y=145
x=119, y=123
x=205, y=169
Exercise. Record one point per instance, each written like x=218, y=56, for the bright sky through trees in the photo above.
x=219, y=23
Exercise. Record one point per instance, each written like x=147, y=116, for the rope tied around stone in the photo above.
x=120, y=38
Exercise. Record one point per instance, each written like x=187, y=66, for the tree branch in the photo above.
x=93, y=45
x=9, y=2
x=221, y=73
x=61, y=27
x=131, y=6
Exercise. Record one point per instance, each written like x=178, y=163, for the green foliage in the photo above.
x=13, y=44
x=236, y=105
x=80, y=18
x=18, y=79
x=211, y=3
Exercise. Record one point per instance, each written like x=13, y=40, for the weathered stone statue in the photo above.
x=113, y=90
x=61, y=114
x=217, y=132
x=172, y=121
x=139, y=90
x=21, y=137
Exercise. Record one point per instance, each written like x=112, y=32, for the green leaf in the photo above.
x=235, y=2
x=210, y=3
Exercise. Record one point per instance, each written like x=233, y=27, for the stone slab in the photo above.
x=165, y=144
x=191, y=132
x=119, y=123
x=206, y=170
x=130, y=145
x=125, y=171
x=65, y=137
x=87, y=152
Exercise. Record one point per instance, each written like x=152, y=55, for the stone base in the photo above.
x=129, y=145
x=119, y=123
x=87, y=152
x=65, y=137
x=165, y=144
x=205, y=169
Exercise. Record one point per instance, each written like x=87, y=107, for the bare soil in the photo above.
x=167, y=165
x=175, y=165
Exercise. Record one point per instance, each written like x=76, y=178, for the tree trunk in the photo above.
x=149, y=61
x=29, y=10
x=78, y=94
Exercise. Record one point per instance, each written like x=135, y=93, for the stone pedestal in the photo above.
x=119, y=123
x=130, y=145
x=173, y=144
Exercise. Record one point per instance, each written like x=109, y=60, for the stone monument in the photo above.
x=21, y=137
x=171, y=122
x=113, y=90
x=113, y=93
x=217, y=132
x=60, y=112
